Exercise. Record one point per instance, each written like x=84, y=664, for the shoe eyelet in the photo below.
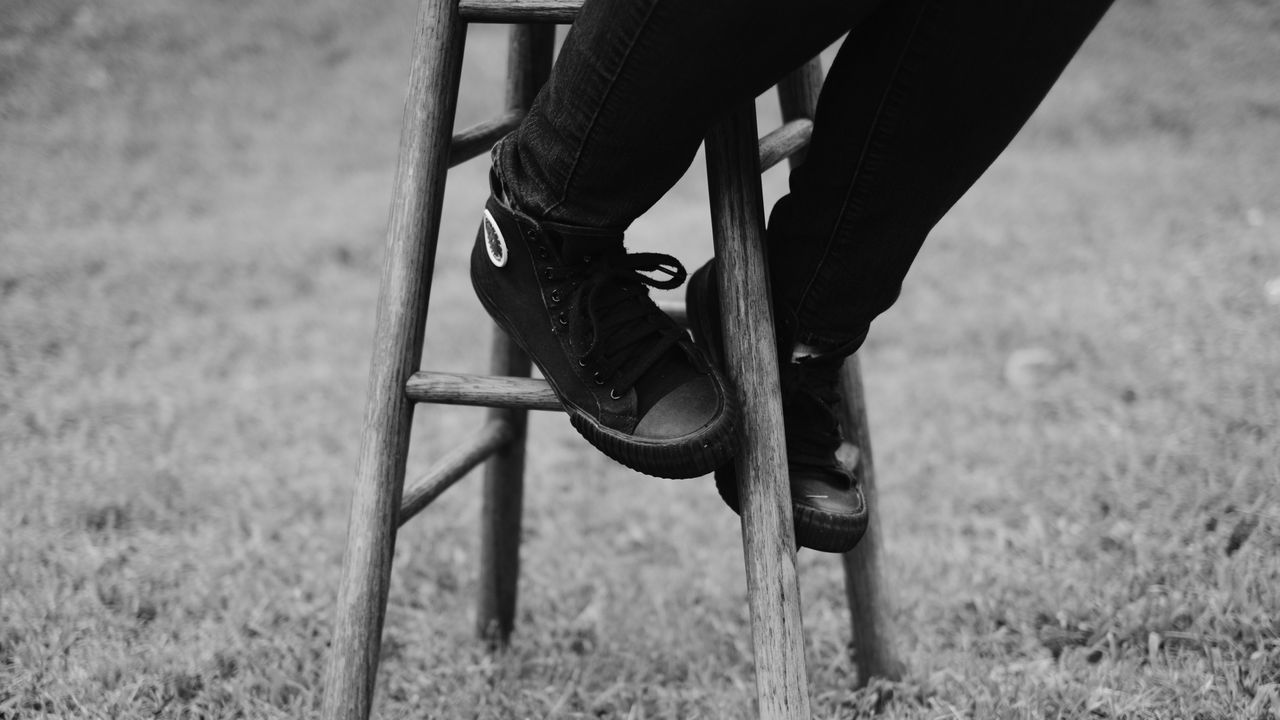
x=613, y=393
x=595, y=377
x=546, y=273
x=564, y=319
x=542, y=253
x=555, y=296
x=582, y=362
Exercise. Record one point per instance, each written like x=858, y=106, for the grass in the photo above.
x=190, y=217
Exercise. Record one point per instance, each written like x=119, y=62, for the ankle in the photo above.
x=803, y=351
x=815, y=349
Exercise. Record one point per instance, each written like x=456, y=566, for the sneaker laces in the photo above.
x=627, y=333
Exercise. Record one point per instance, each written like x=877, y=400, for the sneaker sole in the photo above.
x=815, y=529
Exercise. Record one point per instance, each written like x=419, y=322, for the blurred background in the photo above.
x=1075, y=405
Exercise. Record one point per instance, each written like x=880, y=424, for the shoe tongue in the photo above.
x=572, y=248
x=574, y=241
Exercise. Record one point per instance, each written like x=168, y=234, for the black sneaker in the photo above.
x=633, y=383
x=827, y=504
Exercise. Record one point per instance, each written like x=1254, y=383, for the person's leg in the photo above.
x=921, y=99
x=635, y=88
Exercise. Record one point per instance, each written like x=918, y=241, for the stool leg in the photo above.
x=798, y=96
x=528, y=65
x=768, y=536
x=500, y=514
x=412, y=230
x=863, y=581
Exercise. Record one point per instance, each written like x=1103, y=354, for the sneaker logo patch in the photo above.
x=494, y=243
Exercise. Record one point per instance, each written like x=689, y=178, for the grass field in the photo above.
x=1075, y=404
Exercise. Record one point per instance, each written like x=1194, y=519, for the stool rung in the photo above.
x=452, y=467
x=774, y=147
x=479, y=138
x=784, y=142
x=481, y=390
x=519, y=11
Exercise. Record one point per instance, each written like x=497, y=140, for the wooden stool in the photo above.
x=381, y=501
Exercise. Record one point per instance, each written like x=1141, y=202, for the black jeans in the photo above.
x=922, y=97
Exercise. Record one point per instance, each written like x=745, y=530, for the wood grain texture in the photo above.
x=479, y=138
x=451, y=468
x=864, y=583
x=528, y=65
x=519, y=11
x=737, y=211
x=482, y=391
x=501, y=511
x=798, y=96
x=412, y=229
x=784, y=142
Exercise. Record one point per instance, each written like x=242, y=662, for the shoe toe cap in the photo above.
x=828, y=493
x=692, y=406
